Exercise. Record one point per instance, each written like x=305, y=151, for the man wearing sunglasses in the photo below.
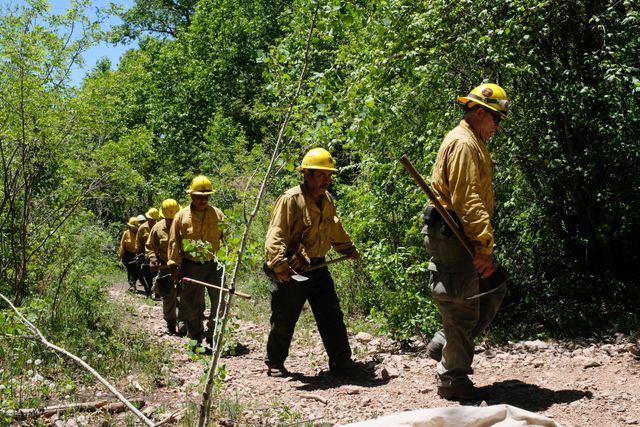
x=461, y=181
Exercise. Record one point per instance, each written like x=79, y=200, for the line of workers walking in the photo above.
x=174, y=243
x=153, y=253
x=304, y=226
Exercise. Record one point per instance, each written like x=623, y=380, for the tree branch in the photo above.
x=219, y=330
x=84, y=364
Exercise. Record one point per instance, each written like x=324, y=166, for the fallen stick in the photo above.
x=110, y=406
x=176, y=416
x=209, y=285
x=84, y=364
x=315, y=397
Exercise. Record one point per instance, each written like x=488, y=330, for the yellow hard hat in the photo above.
x=318, y=158
x=169, y=208
x=133, y=221
x=152, y=213
x=488, y=95
x=201, y=186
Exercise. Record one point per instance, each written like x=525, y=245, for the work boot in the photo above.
x=171, y=327
x=181, y=330
x=434, y=351
x=349, y=370
x=464, y=390
x=278, y=371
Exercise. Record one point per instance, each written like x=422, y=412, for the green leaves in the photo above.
x=205, y=89
x=201, y=250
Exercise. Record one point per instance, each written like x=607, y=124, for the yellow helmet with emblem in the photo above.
x=152, y=213
x=318, y=158
x=169, y=208
x=490, y=96
x=133, y=222
x=200, y=186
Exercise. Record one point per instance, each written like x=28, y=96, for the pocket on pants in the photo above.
x=453, y=285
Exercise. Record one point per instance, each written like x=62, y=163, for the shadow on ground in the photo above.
x=530, y=396
x=325, y=381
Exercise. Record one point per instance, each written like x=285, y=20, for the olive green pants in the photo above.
x=172, y=308
x=192, y=296
x=452, y=280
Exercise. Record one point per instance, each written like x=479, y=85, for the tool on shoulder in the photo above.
x=486, y=284
x=211, y=285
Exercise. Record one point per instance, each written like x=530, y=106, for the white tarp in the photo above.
x=461, y=416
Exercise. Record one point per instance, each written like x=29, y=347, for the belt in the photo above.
x=432, y=216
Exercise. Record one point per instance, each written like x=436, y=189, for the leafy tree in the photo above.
x=162, y=18
x=38, y=50
x=386, y=86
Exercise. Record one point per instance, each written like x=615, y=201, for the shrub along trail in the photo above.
x=576, y=384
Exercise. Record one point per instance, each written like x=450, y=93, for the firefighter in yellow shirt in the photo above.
x=461, y=181
x=197, y=222
x=157, y=251
x=304, y=226
x=151, y=216
x=127, y=252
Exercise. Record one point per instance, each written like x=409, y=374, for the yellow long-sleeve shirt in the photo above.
x=461, y=181
x=207, y=226
x=296, y=220
x=141, y=237
x=127, y=243
x=157, y=245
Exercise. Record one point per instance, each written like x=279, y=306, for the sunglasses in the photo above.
x=497, y=118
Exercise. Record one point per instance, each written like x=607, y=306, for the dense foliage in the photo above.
x=206, y=90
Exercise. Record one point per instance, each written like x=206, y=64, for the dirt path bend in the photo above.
x=586, y=384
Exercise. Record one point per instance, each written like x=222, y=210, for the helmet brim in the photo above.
x=301, y=168
x=179, y=208
x=199, y=193
x=466, y=100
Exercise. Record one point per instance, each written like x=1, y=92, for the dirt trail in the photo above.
x=586, y=384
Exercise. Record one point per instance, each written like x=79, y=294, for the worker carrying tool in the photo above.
x=198, y=222
x=127, y=252
x=304, y=226
x=146, y=277
x=157, y=251
x=462, y=185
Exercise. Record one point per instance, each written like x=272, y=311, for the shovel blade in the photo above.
x=299, y=278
